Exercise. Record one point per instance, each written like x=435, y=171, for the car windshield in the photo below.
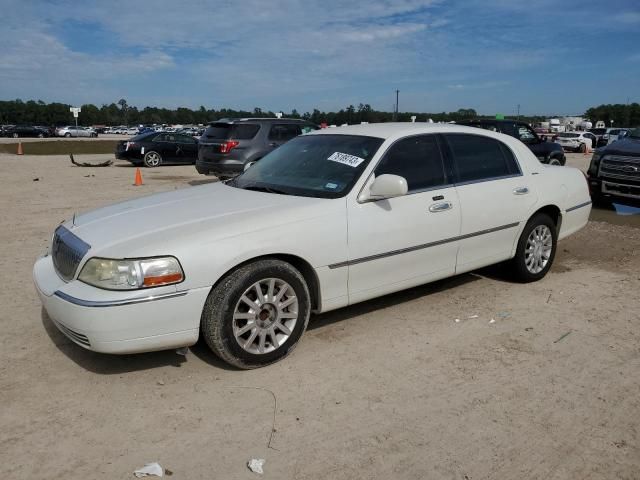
x=323, y=166
x=635, y=133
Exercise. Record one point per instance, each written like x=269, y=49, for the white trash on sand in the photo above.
x=255, y=465
x=150, y=469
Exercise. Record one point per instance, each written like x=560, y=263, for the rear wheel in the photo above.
x=152, y=159
x=256, y=314
x=555, y=161
x=68, y=135
x=536, y=249
x=41, y=135
x=583, y=148
x=15, y=135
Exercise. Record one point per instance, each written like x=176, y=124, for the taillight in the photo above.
x=227, y=146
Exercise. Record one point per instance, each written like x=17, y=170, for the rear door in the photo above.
x=494, y=198
x=186, y=149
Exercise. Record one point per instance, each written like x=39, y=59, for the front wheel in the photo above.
x=555, y=161
x=256, y=314
x=15, y=135
x=536, y=249
x=67, y=135
x=152, y=159
x=583, y=148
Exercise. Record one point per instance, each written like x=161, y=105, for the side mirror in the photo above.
x=385, y=186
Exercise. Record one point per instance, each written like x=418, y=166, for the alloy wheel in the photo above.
x=265, y=316
x=538, y=249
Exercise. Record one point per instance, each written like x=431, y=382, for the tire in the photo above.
x=15, y=135
x=582, y=148
x=226, y=314
x=67, y=135
x=40, y=135
x=555, y=161
x=152, y=159
x=532, y=262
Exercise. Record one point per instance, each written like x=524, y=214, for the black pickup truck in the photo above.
x=614, y=171
x=547, y=152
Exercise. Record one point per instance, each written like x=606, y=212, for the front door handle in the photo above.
x=521, y=191
x=440, y=207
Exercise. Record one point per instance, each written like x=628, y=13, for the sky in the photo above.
x=559, y=56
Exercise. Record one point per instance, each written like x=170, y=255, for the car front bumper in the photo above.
x=119, y=321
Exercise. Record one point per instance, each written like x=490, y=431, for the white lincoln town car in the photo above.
x=331, y=218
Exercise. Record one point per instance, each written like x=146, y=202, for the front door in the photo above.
x=186, y=149
x=405, y=241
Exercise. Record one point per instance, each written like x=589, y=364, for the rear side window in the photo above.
x=284, y=131
x=231, y=131
x=417, y=159
x=480, y=158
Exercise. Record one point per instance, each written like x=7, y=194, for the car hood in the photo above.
x=149, y=225
x=626, y=146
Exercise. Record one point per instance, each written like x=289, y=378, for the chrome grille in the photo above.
x=620, y=167
x=73, y=335
x=67, y=251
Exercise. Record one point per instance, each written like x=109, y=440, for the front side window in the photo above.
x=480, y=158
x=416, y=159
x=525, y=134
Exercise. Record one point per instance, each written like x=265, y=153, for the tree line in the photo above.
x=121, y=113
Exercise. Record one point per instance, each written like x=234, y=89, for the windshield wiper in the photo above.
x=257, y=188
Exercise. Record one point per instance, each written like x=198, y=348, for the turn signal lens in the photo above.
x=132, y=274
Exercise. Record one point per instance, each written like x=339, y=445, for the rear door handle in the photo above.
x=521, y=191
x=440, y=207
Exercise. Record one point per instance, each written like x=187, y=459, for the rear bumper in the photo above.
x=219, y=165
x=122, y=324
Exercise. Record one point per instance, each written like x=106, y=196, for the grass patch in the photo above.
x=63, y=147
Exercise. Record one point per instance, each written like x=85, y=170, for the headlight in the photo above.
x=131, y=274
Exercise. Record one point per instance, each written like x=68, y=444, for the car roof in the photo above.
x=270, y=120
x=398, y=129
x=492, y=121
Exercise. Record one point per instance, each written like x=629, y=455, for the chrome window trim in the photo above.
x=116, y=303
x=392, y=253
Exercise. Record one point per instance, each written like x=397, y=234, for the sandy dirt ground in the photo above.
x=391, y=388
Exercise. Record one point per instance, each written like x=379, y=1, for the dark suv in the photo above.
x=547, y=152
x=615, y=170
x=227, y=145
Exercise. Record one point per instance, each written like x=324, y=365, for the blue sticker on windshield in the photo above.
x=331, y=186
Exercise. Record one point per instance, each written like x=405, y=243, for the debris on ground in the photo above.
x=493, y=320
x=457, y=320
x=504, y=314
x=85, y=164
x=36, y=179
x=150, y=469
x=562, y=337
x=182, y=351
x=473, y=316
x=160, y=382
x=255, y=465
x=87, y=176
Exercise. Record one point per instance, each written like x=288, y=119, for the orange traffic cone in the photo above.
x=20, y=148
x=586, y=149
x=138, y=181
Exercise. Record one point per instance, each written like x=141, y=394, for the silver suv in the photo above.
x=227, y=145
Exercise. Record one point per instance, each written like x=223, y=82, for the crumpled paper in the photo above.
x=255, y=465
x=150, y=469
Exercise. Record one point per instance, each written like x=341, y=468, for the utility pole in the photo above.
x=395, y=112
x=518, y=111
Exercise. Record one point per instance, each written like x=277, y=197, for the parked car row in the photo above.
x=605, y=136
x=19, y=131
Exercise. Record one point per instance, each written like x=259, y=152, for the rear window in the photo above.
x=569, y=135
x=231, y=131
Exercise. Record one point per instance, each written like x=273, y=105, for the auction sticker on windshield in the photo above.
x=346, y=159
